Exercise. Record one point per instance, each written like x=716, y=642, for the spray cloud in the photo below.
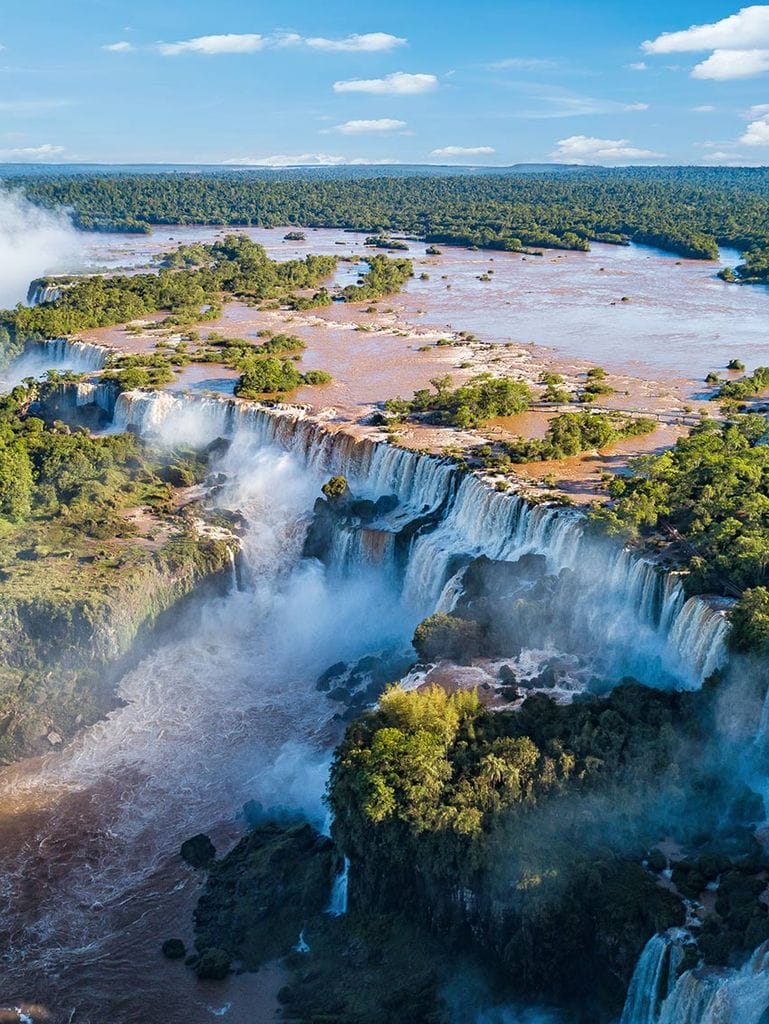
x=33, y=242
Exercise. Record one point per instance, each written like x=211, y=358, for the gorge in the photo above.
x=557, y=815
x=238, y=669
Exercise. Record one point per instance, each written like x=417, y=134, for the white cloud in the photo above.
x=758, y=110
x=302, y=160
x=757, y=132
x=638, y=65
x=742, y=31
x=381, y=124
x=29, y=154
x=630, y=107
x=724, y=65
x=399, y=83
x=463, y=151
x=704, y=108
x=739, y=44
x=368, y=42
x=229, y=43
x=122, y=47
x=584, y=149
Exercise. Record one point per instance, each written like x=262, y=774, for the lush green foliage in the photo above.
x=274, y=376
x=685, y=210
x=190, y=286
x=746, y=387
x=573, y=432
x=480, y=399
x=384, y=277
x=713, y=489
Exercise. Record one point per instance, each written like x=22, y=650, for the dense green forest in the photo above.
x=191, y=287
x=532, y=833
x=685, y=210
x=712, y=491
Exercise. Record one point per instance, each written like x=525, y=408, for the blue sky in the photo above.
x=419, y=81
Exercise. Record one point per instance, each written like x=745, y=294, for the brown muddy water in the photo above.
x=680, y=320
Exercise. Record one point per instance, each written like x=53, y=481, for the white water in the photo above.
x=338, y=903
x=628, y=609
x=58, y=354
x=223, y=712
x=700, y=996
x=226, y=710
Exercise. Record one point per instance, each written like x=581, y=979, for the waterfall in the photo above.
x=702, y=995
x=337, y=905
x=627, y=604
x=41, y=291
x=56, y=354
x=653, y=978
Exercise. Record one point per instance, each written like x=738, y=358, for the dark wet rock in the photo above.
x=198, y=851
x=218, y=447
x=260, y=896
x=174, y=949
x=386, y=504
x=363, y=509
x=339, y=693
x=333, y=672
x=507, y=675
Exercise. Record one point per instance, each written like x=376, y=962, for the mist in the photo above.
x=33, y=242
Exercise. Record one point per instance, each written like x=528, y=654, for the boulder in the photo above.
x=198, y=851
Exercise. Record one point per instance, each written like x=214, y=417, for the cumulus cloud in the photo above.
x=302, y=160
x=739, y=44
x=212, y=45
x=724, y=65
x=744, y=30
x=463, y=151
x=367, y=42
x=638, y=65
x=757, y=132
x=360, y=127
x=399, y=83
x=29, y=154
x=120, y=47
x=584, y=149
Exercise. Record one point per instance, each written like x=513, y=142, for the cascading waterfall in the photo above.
x=43, y=291
x=657, y=995
x=628, y=603
x=653, y=978
x=338, y=903
x=56, y=354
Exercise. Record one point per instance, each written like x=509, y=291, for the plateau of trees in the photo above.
x=482, y=398
x=190, y=286
x=686, y=210
x=571, y=433
x=712, y=491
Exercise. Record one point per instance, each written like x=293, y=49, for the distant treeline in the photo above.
x=686, y=210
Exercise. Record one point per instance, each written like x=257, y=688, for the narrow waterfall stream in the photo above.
x=227, y=710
